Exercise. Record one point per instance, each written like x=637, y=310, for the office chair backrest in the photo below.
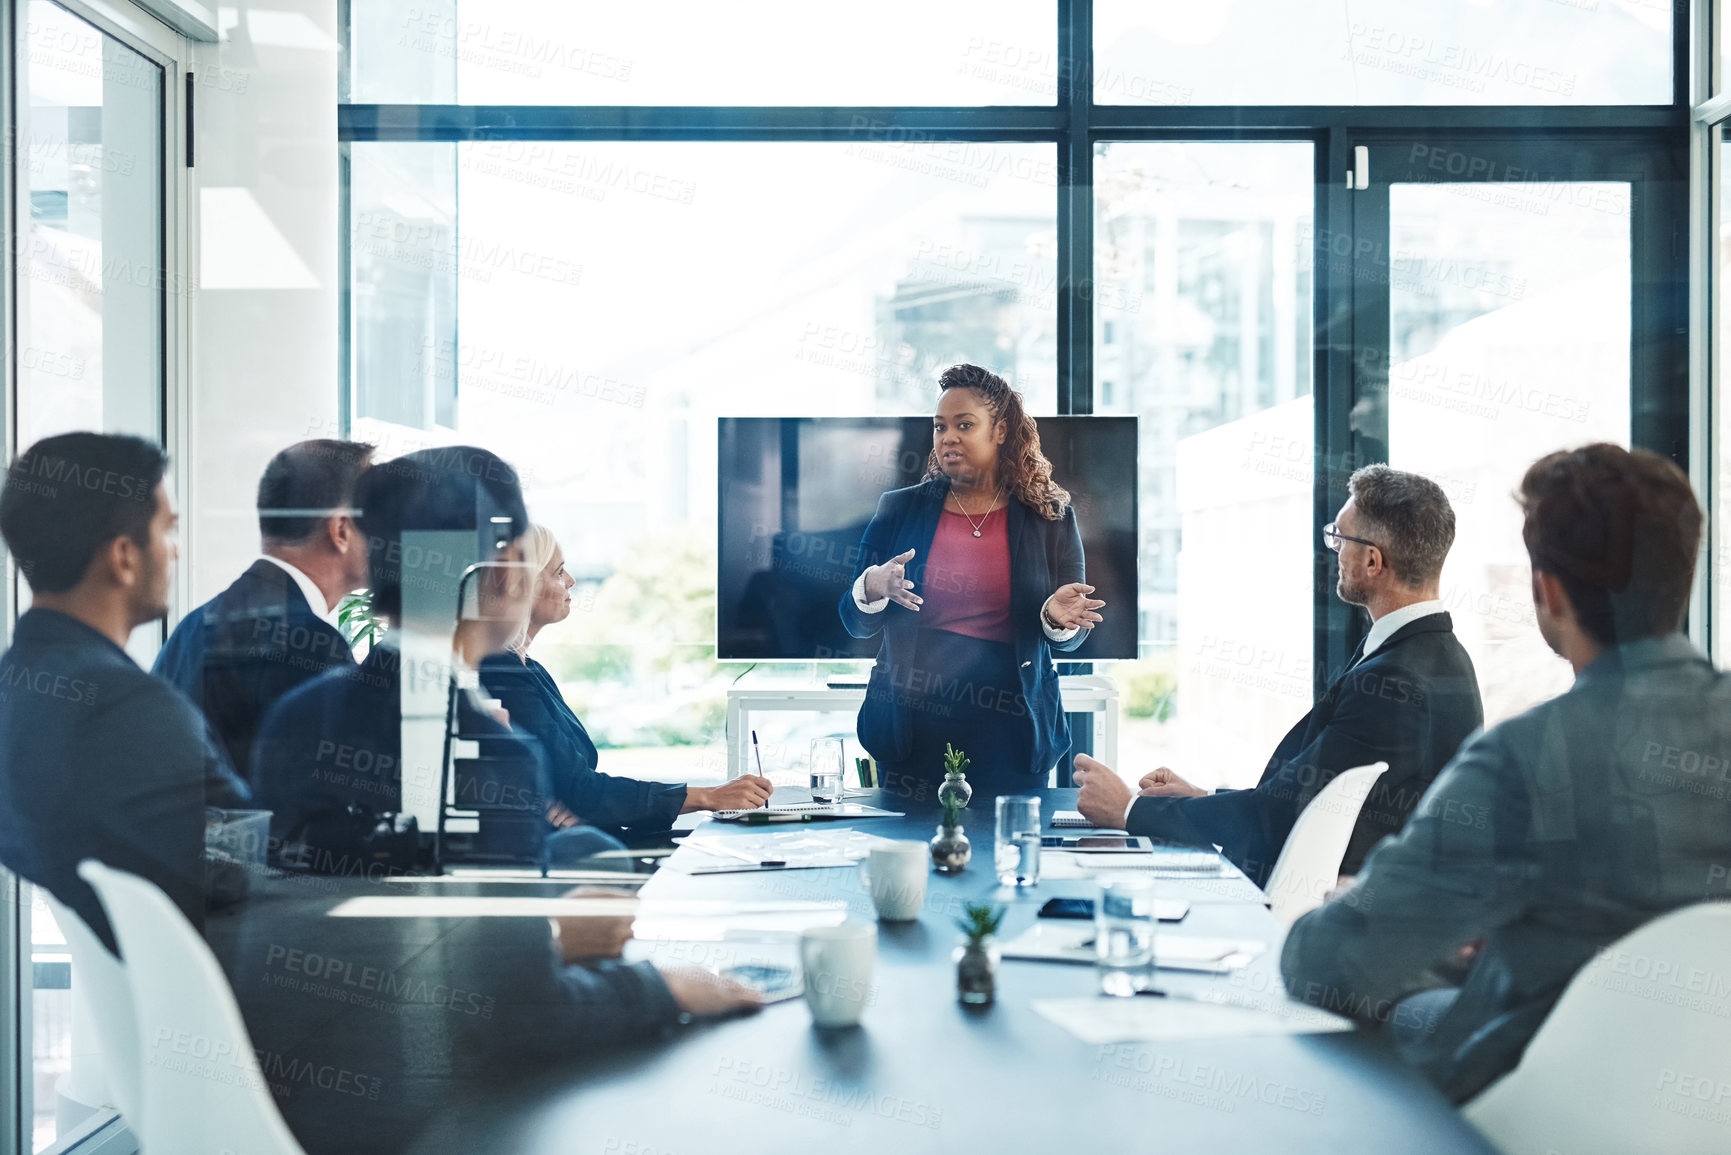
x=102, y=997
x=1309, y=863
x=203, y=1093
x=1634, y=1056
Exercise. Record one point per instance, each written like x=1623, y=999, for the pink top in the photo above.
x=967, y=580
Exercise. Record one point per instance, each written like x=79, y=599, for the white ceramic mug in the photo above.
x=838, y=971
x=895, y=873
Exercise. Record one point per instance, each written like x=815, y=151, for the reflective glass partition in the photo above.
x=1719, y=528
x=90, y=278
x=1203, y=330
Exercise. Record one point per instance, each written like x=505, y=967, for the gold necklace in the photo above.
x=970, y=517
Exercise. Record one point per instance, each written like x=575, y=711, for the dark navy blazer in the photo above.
x=242, y=651
x=1411, y=704
x=532, y=698
x=100, y=760
x=1044, y=555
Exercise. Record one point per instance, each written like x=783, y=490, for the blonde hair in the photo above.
x=539, y=546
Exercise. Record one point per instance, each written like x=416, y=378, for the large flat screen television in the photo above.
x=796, y=494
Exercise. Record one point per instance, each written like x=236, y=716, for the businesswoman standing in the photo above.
x=973, y=577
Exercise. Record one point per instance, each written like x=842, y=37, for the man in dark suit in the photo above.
x=275, y=627
x=1409, y=697
x=97, y=758
x=1561, y=830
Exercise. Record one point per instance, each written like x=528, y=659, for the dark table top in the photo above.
x=444, y=1035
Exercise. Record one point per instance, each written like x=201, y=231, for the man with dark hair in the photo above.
x=1558, y=831
x=275, y=627
x=336, y=744
x=1408, y=697
x=97, y=758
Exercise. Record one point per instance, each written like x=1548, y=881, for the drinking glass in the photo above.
x=1124, y=935
x=826, y=769
x=1016, y=849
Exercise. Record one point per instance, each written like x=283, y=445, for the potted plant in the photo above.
x=950, y=848
x=955, y=784
x=977, y=959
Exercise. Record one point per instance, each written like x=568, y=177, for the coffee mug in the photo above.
x=895, y=873
x=838, y=971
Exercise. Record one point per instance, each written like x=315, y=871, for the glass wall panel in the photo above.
x=614, y=299
x=1203, y=330
x=1509, y=335
x=1382, y=52
x=90, y=299
x=1720, y=536
x=767, y=52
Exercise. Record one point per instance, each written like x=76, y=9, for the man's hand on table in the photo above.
x=1162, y=782
x=698, y=992
x=588, y=937
x=1104, y=796
x=747, y=792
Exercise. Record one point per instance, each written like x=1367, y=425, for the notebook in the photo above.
x=1070, y=819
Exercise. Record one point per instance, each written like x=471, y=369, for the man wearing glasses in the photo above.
x=1408, y=697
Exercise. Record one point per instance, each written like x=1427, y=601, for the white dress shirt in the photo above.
x=877, y=607
x=315, y=597
x=1384, y=627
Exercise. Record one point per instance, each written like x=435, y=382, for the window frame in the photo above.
x=1074, y=123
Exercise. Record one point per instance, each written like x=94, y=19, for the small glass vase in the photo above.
x=951, y=850
x=955, y=787
x=977, y=972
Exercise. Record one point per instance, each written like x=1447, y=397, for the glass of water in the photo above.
x=1017, y=848
x=1124, y=935
x=826, y=769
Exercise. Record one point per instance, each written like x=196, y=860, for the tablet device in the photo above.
x=1099, y=843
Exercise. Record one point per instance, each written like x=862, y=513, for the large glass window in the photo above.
x=612, y=300
x=1399, y=52
x=768, y=52
x=1202, y=330
x=1509, y=338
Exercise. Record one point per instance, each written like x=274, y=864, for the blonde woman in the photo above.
x=537, y=707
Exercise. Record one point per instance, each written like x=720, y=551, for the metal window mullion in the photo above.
x=1075, y=217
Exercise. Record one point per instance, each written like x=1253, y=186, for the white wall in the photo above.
x=264, y=341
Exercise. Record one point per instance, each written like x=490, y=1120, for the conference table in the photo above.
x=460, y=1048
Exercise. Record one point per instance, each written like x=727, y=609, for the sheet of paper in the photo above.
x=1074, y=943
x=1102, y=1020
x=802, y=848
x=1067, y=864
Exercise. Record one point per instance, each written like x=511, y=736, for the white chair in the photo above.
x=102, y=1001
x=203, y=1093
x=1634, y=1056
x=1309, y=863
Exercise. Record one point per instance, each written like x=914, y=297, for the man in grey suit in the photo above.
x=1559, y=831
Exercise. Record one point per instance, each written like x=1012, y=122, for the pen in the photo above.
x=758, y=752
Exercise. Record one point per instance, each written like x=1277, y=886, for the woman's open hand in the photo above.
x=1072, y=607
x=889, y=580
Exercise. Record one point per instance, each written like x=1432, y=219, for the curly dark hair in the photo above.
x=1022, y=468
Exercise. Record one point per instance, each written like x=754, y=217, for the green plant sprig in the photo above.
x=981, y=920
x=955, y=762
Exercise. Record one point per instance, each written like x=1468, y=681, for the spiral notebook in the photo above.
x=1070, y=820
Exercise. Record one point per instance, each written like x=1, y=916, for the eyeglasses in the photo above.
x=1332, y=537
